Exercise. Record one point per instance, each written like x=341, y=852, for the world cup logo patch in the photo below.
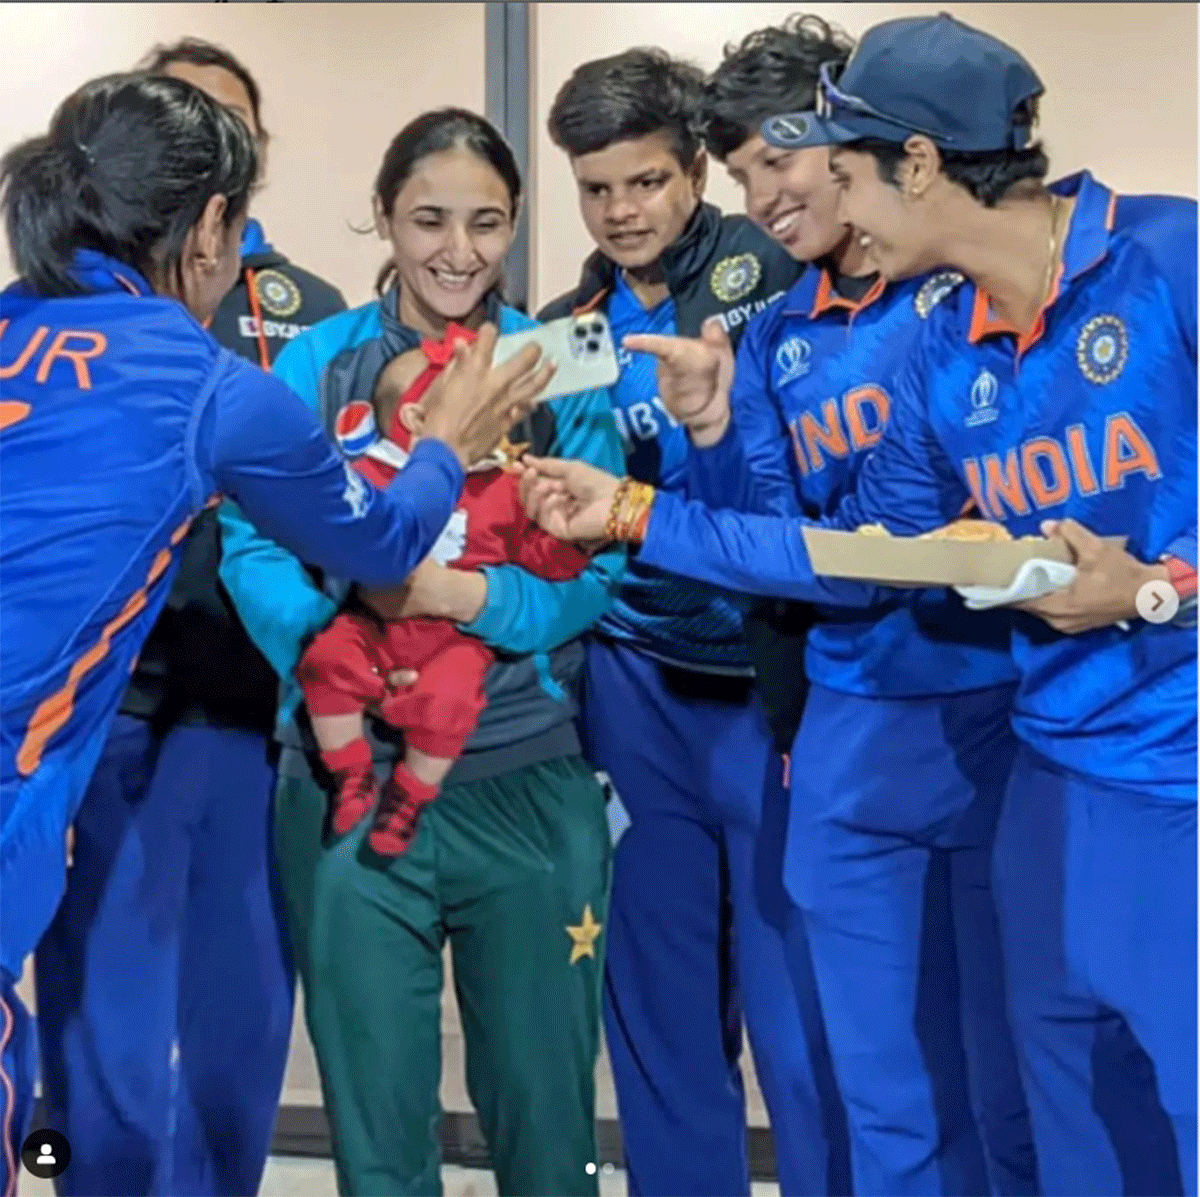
x=277, y=293
x=985, y=395
x=734, y=278
x=792, y=360
x=1102, y=349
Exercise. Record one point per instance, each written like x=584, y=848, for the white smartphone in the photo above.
x=580, y=346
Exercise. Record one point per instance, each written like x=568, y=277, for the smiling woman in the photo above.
x=446, y=198
x=514, y=851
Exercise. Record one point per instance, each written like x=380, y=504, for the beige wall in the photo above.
x=338, y=81
x=1120, y=81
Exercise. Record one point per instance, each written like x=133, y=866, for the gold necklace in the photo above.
x=1055, y=232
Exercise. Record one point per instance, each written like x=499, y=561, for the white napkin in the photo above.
x=1034, y=579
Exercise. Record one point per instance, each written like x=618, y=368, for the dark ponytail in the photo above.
x=434, y=133
x=126, y=169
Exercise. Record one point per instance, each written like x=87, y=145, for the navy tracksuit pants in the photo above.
x=1096, y=892
x=893, y=815
x=164, y=985
x=700, y=931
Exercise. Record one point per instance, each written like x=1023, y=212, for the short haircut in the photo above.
x=194, y=51
x=627, y=97
x=770, y=71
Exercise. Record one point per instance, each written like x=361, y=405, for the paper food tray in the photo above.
x=911, y=561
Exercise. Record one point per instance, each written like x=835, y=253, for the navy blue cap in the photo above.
x=959, y=86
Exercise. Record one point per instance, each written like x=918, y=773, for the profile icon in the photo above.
x=46, y=1154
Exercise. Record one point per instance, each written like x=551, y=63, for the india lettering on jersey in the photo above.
x=1045, y=472
x=822, y=366
x=1093, y=419
x=842, y=428
x=670, y=618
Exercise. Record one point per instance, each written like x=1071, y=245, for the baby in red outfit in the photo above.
x=346, y=668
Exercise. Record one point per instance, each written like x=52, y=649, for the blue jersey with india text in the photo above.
x=670, y=618
x=811, y=398
x=1090, y=416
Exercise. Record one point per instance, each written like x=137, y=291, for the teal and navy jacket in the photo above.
x=533, y=625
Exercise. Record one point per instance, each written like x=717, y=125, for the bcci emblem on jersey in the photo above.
x=793, y=359
x=934, y=290
x=734, y=278
x=1102, y=349
x=985, y=390
x=277, y=293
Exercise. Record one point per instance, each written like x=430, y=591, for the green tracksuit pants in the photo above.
x=514, y=872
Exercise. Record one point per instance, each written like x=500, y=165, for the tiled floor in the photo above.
x=314, y=1178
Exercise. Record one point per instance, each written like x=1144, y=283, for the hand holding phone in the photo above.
x=581, y=348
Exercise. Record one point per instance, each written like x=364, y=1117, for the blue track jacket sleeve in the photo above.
x=907, y=484
x=1184, y=547
x=526, y=614
x=748, y=469
x=271, y=456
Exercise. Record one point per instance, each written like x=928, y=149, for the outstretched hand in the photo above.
x=570, y=500
x=472, y=404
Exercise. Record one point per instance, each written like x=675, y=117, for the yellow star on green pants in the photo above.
x=583, y=937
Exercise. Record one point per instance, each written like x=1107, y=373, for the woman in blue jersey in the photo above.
x=1068, y=352
x=510, y=864
x=120, y=420
x=901, y=754
x=191, y=750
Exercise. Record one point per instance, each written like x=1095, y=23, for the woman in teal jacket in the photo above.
x=511, y=862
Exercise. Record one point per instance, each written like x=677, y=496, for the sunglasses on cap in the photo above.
x=830, y=99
